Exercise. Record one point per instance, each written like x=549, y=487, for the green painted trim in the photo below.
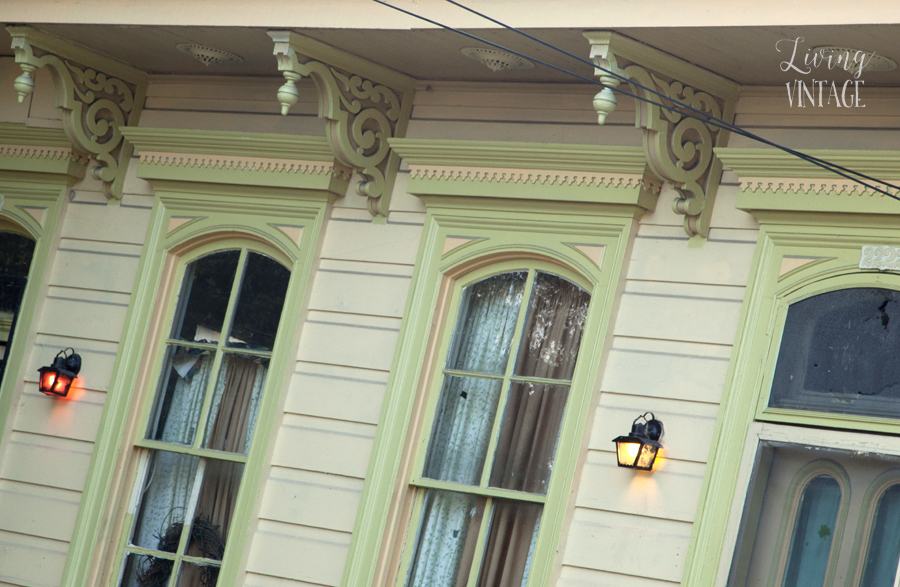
x=756, y=162
x=498, y=233
x=24, y=190
x=13, y=133
x=837, y=242
x=249, y=214
x=221, y=142
x=555, y=156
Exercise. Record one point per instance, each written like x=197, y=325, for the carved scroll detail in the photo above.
x=679, y=149
x=95, y=105
x=361, y=115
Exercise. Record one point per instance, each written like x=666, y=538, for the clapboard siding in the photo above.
x=296, y=552
x=43, y=512
x=578, y=577
x=29, y=561
x=63, y=461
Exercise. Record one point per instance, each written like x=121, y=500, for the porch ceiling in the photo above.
x=744, y=54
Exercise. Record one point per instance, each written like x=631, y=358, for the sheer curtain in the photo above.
x=457, y=451
x=527, y=442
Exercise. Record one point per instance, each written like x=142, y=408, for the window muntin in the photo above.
x=836, y=354
x=16, y=252
x=496, y=426
x=202, y=420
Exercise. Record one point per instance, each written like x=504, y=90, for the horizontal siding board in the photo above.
x=355, y=292
x=116, y=224
x=339, y=393
x=100, y=270
x=578, y=577
x=258, y=580
x=30, y=561
x=78, y=419
x=349, y=345
x=43, y=512
x=715, y=263
x=76, y=318
x=365, y=241
x=690, y=317
x=619, y=543
x=63, y=462
x=688, y=426
x=671, y=492
x=296, y=552
x=293, y=123
x=311, y=499
x=324, y=446
x=665, y=374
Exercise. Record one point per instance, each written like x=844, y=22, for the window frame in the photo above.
x=37, y=166
x=195, y=207
x=477, y=217
x=416, y=481
x=812, y=230
x=143, y=448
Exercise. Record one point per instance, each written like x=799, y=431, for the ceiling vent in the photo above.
x=207, y=55
x=875, y=64
x=497, y=60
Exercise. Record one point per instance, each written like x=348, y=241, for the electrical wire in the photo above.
x=704, y=117
x=708, y=116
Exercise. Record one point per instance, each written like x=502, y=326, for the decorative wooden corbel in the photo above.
x=363, y=103
x=98, y=95
x=678, y=149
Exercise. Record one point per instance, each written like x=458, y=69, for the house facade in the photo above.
x=360, y=301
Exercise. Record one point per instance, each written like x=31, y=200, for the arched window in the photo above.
x=498, y=406
x=16, y=251
x=200, y=425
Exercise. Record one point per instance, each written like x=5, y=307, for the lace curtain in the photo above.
x=171, y=476
x=527, y=442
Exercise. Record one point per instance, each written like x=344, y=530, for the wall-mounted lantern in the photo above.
x=638, y=449
x=57, y=378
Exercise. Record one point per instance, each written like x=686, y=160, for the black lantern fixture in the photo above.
x=638, y=449
x=57, y=378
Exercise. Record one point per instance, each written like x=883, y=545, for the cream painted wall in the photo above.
x=672, y=337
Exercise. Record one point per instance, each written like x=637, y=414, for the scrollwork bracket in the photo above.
x=97, y=95
x=678, y=148
x=363, y=103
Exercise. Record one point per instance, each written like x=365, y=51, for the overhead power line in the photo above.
x=692, y=112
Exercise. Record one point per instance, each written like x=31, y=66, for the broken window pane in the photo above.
x=837, y=354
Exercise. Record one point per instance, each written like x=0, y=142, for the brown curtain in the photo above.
x=228, y=433
x=534, y=412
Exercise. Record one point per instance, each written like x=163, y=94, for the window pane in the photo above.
x=235, y=404
x=143, y=571
x=553, y=329
x=215, y=507
x=198, y=575
x=178, y=404
x=510, y=544
x=487, y=319
x=837, y=354
x=528, y=437
x=204, y=297
x=259, y=303
x=884, y=543
x=813, y=531
x=446, y=542
x=164, y=502
x=15, y=261
x=462, y=429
